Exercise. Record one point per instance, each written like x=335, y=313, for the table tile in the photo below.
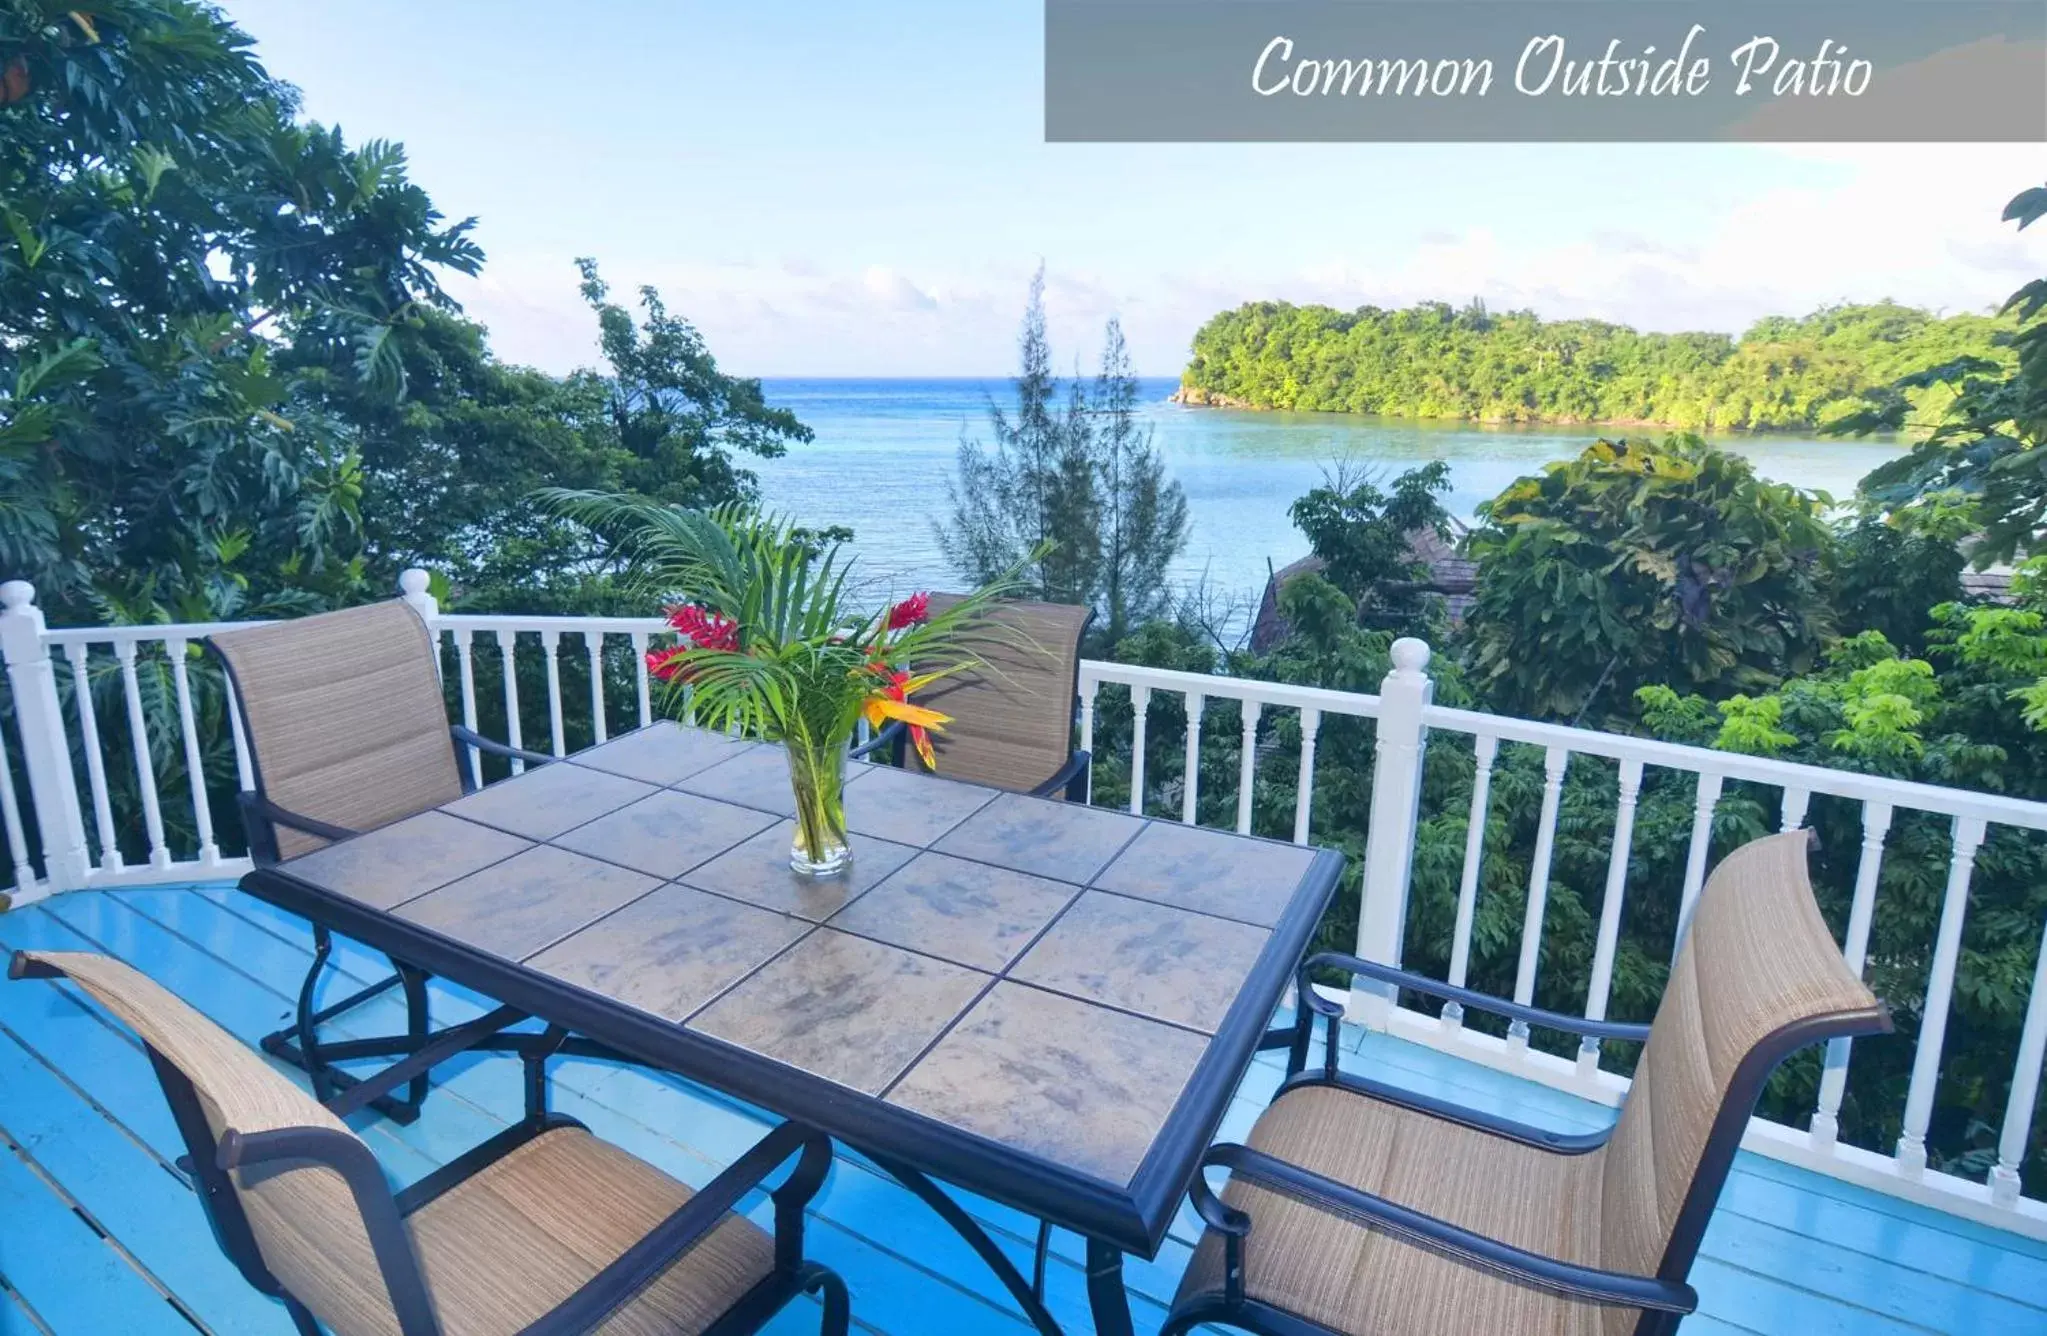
x=549, y=799
x=756, y=777
x=666, y=833
x=1213, y=871
x=1167, y=963
x=911, y=808
x=969, y=912
x=527, y=902
x=758, y=872
x=1076, y=1084
x=394, y=863
x=670, y=952
x=661, y=753
x=850, y=1010
x=1067, y=841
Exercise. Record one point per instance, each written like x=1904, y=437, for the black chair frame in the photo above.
x=299, y=1043
x=1665, y=1298
x=384, y=1212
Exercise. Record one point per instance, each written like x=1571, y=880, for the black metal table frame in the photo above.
x=908, y=1145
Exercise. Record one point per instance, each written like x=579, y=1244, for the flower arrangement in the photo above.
x=772, y=644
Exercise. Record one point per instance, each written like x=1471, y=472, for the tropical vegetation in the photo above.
x=1439, y=361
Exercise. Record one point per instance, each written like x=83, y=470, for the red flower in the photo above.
x=911, y=611
x=663, y=664
x=703, y=627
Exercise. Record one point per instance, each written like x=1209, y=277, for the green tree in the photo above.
x=1636, y=564
x=1032, y=497
x=168, y=233
x=1986, y=438
x=1143, y=511
x=1365, y=538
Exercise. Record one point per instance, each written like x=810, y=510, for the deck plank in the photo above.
x=1790, y=1251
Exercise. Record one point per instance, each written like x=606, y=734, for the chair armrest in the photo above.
x=1549, y=1020
x=890, y=736
x=642, y=1264
x=469, y=737
x=284, y=816
x=1068, y=778
x=1568, y=1280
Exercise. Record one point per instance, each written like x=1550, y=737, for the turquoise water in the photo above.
x=885, y=449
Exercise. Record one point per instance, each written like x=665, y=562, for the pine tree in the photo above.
x=1029, y=498
x=1143, y=512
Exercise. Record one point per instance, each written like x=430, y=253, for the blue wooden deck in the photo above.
x=99, y=1232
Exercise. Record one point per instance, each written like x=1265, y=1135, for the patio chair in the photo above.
x=1012, y=722
x=346, y=731
x=1359, y=1208
x=542, y=1230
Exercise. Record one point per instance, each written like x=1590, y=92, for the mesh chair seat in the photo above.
x=1757, y=976
x=502, y=1248
x=1353, y=1279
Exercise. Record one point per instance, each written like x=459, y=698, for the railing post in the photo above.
x=412, y=587
x=1396, y=809
x=46, y=753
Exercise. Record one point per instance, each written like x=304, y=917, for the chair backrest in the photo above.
x=1012, y=721
x=1758, y=977
x=301, y=1216
x=344, y=718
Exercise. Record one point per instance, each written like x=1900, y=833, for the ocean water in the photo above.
x=885, y=450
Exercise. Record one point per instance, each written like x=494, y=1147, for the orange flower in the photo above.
x=892, y=701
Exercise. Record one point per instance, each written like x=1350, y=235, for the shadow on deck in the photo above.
x=99, y=1232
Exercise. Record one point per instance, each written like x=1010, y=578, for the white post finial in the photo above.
x=1404, y=696
x=46, y=752
x=412, y=587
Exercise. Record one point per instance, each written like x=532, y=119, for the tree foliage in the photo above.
x=1984, y=446
x=1432, y=361
x=1365, y=540
x=1071, y=491
x=1636, y=564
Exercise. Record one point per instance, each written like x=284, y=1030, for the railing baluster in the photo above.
x=1247, y=766
x=1304, y=780
x=1196, y=702
x=245, y=769
x=1555, y=761
x=1140, y=706
x=1088, y=688
x=1795, y=802
x=550, y=646
x=1703, y=803
x=145, y=770
x=195, y=770
x=1940, y=987
x=95, y=759
x=508, y=645
x=593, y=645
x=465, y=659
x=2025, y=1089
x=10, y=821
x=640, y=687
x=1601, y=990
x=1876, y=823
x=1485, y=749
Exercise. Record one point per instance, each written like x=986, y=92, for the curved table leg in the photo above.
x=997, y=1261
x=1106, y=1296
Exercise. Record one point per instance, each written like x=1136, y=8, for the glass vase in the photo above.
x=817, y=776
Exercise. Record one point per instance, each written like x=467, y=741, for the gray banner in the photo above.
x=1527, y=70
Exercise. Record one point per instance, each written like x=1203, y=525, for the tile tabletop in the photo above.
x=1039, y=974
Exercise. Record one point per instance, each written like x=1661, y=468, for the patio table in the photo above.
x=1044, y=1003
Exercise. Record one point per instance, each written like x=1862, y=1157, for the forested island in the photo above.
x=1438, y=361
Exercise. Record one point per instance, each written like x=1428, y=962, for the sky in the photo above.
x=857, y=188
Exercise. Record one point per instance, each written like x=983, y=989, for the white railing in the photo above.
x=53, y=740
